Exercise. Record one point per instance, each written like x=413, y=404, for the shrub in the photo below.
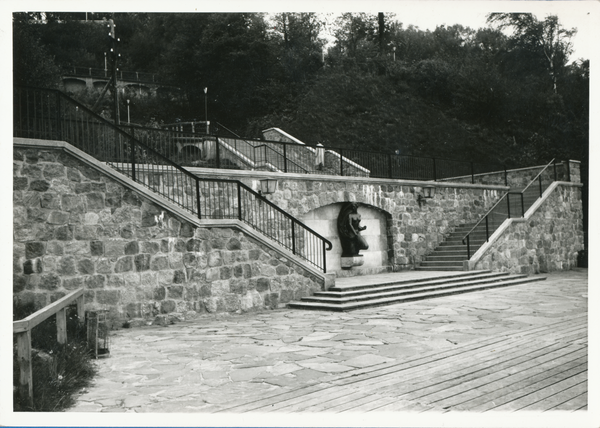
x=58, y=370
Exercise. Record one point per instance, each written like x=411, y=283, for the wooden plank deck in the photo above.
x=542, y=368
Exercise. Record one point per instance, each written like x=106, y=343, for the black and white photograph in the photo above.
x=300, y=214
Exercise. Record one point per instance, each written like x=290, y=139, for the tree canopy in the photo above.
x=503, y=93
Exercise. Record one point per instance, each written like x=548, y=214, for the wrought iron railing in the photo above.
x=51, y=115
x=514, y=204
x=132, y=76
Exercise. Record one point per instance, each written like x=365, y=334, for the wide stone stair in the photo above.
x=398, y=288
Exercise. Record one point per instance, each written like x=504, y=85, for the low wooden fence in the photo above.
x=22, y=329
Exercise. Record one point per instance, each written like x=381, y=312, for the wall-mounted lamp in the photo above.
x=428, y=193
x=267, y=186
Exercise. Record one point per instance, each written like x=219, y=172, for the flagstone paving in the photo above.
x=523, y=346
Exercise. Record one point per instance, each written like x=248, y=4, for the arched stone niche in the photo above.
x=377, y=258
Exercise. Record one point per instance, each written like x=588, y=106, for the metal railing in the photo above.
x=22, y=329
x=132, y=76
x=49, y=114
x=513, y=204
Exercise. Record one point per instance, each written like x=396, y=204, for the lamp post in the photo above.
x=128, y=117
x=206, y=108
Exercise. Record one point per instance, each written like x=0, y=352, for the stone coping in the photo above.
x=470, y=264
x=328, y=278
x=257, y=175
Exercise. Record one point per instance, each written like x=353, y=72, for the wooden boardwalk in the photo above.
x=542, y=368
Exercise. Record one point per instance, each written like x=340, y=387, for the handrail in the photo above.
x=537, y=176
x=507, y=198
x=22, y=328
x=203, y=197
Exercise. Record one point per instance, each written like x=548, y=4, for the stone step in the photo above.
x=454, y=263
x=452, y=277
x=377, y=292
x=361, y=290
x=379, y=301
x=442, y=257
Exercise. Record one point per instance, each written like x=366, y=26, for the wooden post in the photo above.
x=24, y=356
x=81, y=309
x=61, y=326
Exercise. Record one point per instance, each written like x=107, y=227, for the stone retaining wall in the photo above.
x=77, y=227
x=548, y=241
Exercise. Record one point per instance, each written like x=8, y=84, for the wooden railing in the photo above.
x=22, y=329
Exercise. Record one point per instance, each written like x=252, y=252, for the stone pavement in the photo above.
x=220, y=362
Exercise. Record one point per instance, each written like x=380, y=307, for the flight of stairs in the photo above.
x=451, y=253
x=357, y=296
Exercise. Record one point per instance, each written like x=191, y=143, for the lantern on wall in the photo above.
x=267, y=186
x=428, y=193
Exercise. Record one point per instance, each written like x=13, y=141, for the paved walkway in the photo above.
x=519, y=347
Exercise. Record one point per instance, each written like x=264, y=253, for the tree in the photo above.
x=32, y=64
x=547, y=40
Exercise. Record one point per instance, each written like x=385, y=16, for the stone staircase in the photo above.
x=450, y=254
x=405, y=287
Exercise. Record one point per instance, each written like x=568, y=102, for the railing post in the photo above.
x=58, y=121
x=568, y=170
x=285, y=157
x=540, y=181
x=341, y=162
x=389, y=165
x=508, y=204
x=472, y=174
x=217, y=153
x=434, y=170
x=505, y=176
x=468, y=248
x=293, y=237
x=81, y=309
x=132, y=146
x=239, y=195
x=24, y=357
x=555, y=173
x=198, y=197
x=61, y=326
x=324, y=257
x=487, y=229
x=522, y=205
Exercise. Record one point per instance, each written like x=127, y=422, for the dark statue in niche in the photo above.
x=349, y=229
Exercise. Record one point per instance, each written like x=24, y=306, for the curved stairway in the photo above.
x=376, y=290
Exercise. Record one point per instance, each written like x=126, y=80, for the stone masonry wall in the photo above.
x=77, y=227
x=548, y=241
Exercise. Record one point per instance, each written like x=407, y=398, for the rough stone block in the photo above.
x=150, y=247
x=186, y=231
x=175, y=292
x=85, y=267
x=193, y=245
x=95, y=201
x=159, y=263
x=97, y=248
x=213, y=274
x=58, y=217
x=49, y=282
x=66, y=266
x=263, y=284
x=214, y=259
x=108, y=297
x=132, y=248
x=53, y=171
x=74, y=283
x=88, y=232
x=168, y=306
x=34, y=249
x=178, y=277
x=114, y=248
x=124, y=264
x=142, y=262
x=95, y=281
